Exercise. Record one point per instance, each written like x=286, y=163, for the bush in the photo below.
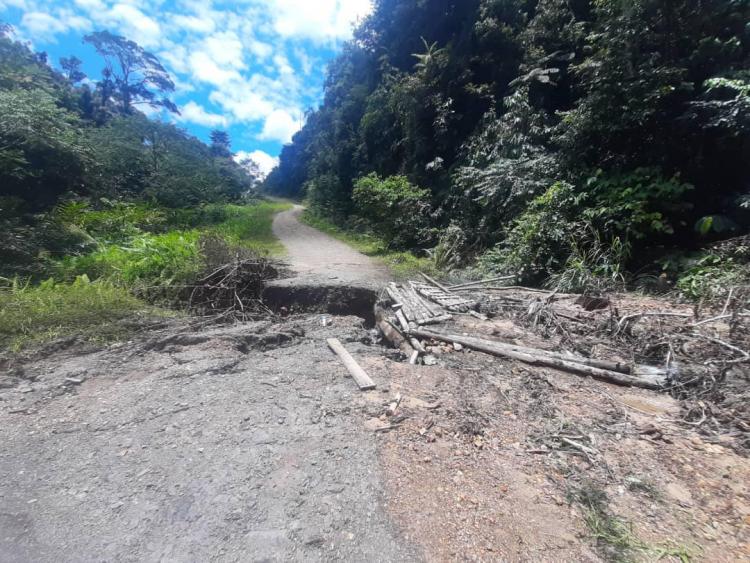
x=539, y=240
x=588, y=231
x=594, y=265
x=709, y=276
x=148, y=261
x=93, y=310
x=395, y=207
x=115, y=222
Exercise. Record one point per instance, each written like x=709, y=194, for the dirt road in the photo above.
x=321, y=259
x=239, y=443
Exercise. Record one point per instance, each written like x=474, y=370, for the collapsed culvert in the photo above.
x=333, y=300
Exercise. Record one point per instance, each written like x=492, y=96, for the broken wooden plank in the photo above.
x=434, y=309
x=402, y=320
x=446, y=300
x=433, y=282
x=571, y=365
x=437, y=320
x=480, y=282
x=358, y=374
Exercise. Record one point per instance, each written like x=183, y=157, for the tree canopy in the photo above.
x=488, y=104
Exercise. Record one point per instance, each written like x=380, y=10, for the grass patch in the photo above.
x=93, y=311
x=250, y=226
x=403, y=264
x=614, y=536
x=147, y=260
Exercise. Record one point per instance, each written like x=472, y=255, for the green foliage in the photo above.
x=635, y=205
x=709, y=276
x=91, y=310
x=593, y=266
x=539, y=240
x=58, y=137
x=397, y=209
x=147, y=261
x=42, y=150
x=486, y=104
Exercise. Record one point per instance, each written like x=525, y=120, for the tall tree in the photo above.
x=72, y=69
x=138, y=76
x=221, y=144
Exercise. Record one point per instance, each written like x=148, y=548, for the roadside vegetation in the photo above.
x=108, y=215
x=583, y=145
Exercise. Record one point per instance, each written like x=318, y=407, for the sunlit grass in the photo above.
x=93, y=311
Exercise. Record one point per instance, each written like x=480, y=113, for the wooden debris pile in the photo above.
x=700, y=354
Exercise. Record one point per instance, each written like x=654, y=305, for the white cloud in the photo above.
x=279, y=126
x=322, y=20
x=260, y=49
x=243, y=105
x=21, y=4
x=265, y=161
x=194, y=23
x=133, y=23
x=43, y=25
x=205, y=69
x=195, y=113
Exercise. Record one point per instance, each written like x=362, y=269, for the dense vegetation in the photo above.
x=584, y=142
x=101, y=208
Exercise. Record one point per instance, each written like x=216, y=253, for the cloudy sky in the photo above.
x=250, y=67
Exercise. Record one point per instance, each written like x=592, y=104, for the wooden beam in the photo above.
x=360, y=376
x=543, y=358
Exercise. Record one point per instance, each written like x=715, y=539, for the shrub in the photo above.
x=594, y=265
x=588, y=231
x=395, y=207
x=709, y=276
x=634, y=205
x=164, y=260
x=538, y=241
x=115, y=222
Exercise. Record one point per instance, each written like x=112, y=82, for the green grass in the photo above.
x=403, y=264
x=134, y=251
x=614, y=536
x=250, y=226
x=93, y=311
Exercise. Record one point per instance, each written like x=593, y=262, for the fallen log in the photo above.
x=358, y=374
x=394, y=336
x=571, y=365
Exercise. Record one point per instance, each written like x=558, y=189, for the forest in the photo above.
x=103, y=210
x=582, y=144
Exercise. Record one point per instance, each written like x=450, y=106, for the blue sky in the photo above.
x=251, y=67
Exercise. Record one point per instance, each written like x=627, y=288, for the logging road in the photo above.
x=319, y=258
